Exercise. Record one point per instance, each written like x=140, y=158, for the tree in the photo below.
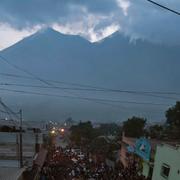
x=108, y=129
x=99, y=145
x=82, y=133
x=156, y=131
x=134, y=127
x=173, y=120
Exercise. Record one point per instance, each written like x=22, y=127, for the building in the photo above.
x=127, y=154
x=167, y=163
x=9, y=146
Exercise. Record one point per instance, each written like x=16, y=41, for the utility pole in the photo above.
x=20, y=141
x=18, y=116
x=36, y=141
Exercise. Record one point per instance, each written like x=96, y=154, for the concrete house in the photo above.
x=167, y=163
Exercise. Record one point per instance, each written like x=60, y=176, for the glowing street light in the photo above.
x=53, y=132
x=62, y=130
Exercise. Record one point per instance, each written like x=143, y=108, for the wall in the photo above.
x=146, y=168
x=9, y=144
x=170, y=156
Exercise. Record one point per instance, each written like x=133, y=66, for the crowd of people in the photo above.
x=73, y=164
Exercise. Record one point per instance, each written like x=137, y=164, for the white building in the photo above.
x=167, y=163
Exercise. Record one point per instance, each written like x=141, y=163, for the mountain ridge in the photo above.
x=117, y=34
x=112, y=63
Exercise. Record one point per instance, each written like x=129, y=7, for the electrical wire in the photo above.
x=83, y=89
x=92, y=88
x=164, y=7
x=31, y=74
x=96, y=100
x=82, y=98
x=23, y=70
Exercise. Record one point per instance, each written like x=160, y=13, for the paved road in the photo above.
x=60, y=141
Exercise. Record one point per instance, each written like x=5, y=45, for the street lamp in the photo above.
x=53, y=132
x=62, y=130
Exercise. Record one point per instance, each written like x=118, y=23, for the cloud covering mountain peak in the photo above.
x=93, y=20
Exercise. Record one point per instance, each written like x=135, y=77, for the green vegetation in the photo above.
x=100, y=140
x=134, y=127
x=173, y=121
x=82, y=134
x=156, y=131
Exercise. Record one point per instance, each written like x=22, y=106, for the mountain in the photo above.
x=114, y=62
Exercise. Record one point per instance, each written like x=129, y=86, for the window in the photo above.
x=165, y=169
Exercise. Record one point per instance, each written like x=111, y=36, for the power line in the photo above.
x=99, y=101
x=23, y=70
x=16, y=76
x=164, y=7
x=26, y=77
x=5, y=112
x=29, y=73
x=82, y=98
x=49, y=84
x=90, y=87
x=52, y=81
x=20, y=126
x=83, y=89
x=8, y=110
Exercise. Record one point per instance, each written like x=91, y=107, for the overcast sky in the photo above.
x=92, y=19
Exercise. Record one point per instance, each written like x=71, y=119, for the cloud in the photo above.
x=22, y=14
x=153, y=23
x=124, y=5
x=10, y=36
x=93, y=20
x=92, y=27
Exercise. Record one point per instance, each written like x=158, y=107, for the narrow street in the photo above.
x=61, y=141
x=67, y=163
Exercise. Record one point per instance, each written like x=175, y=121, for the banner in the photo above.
x=143, y=148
